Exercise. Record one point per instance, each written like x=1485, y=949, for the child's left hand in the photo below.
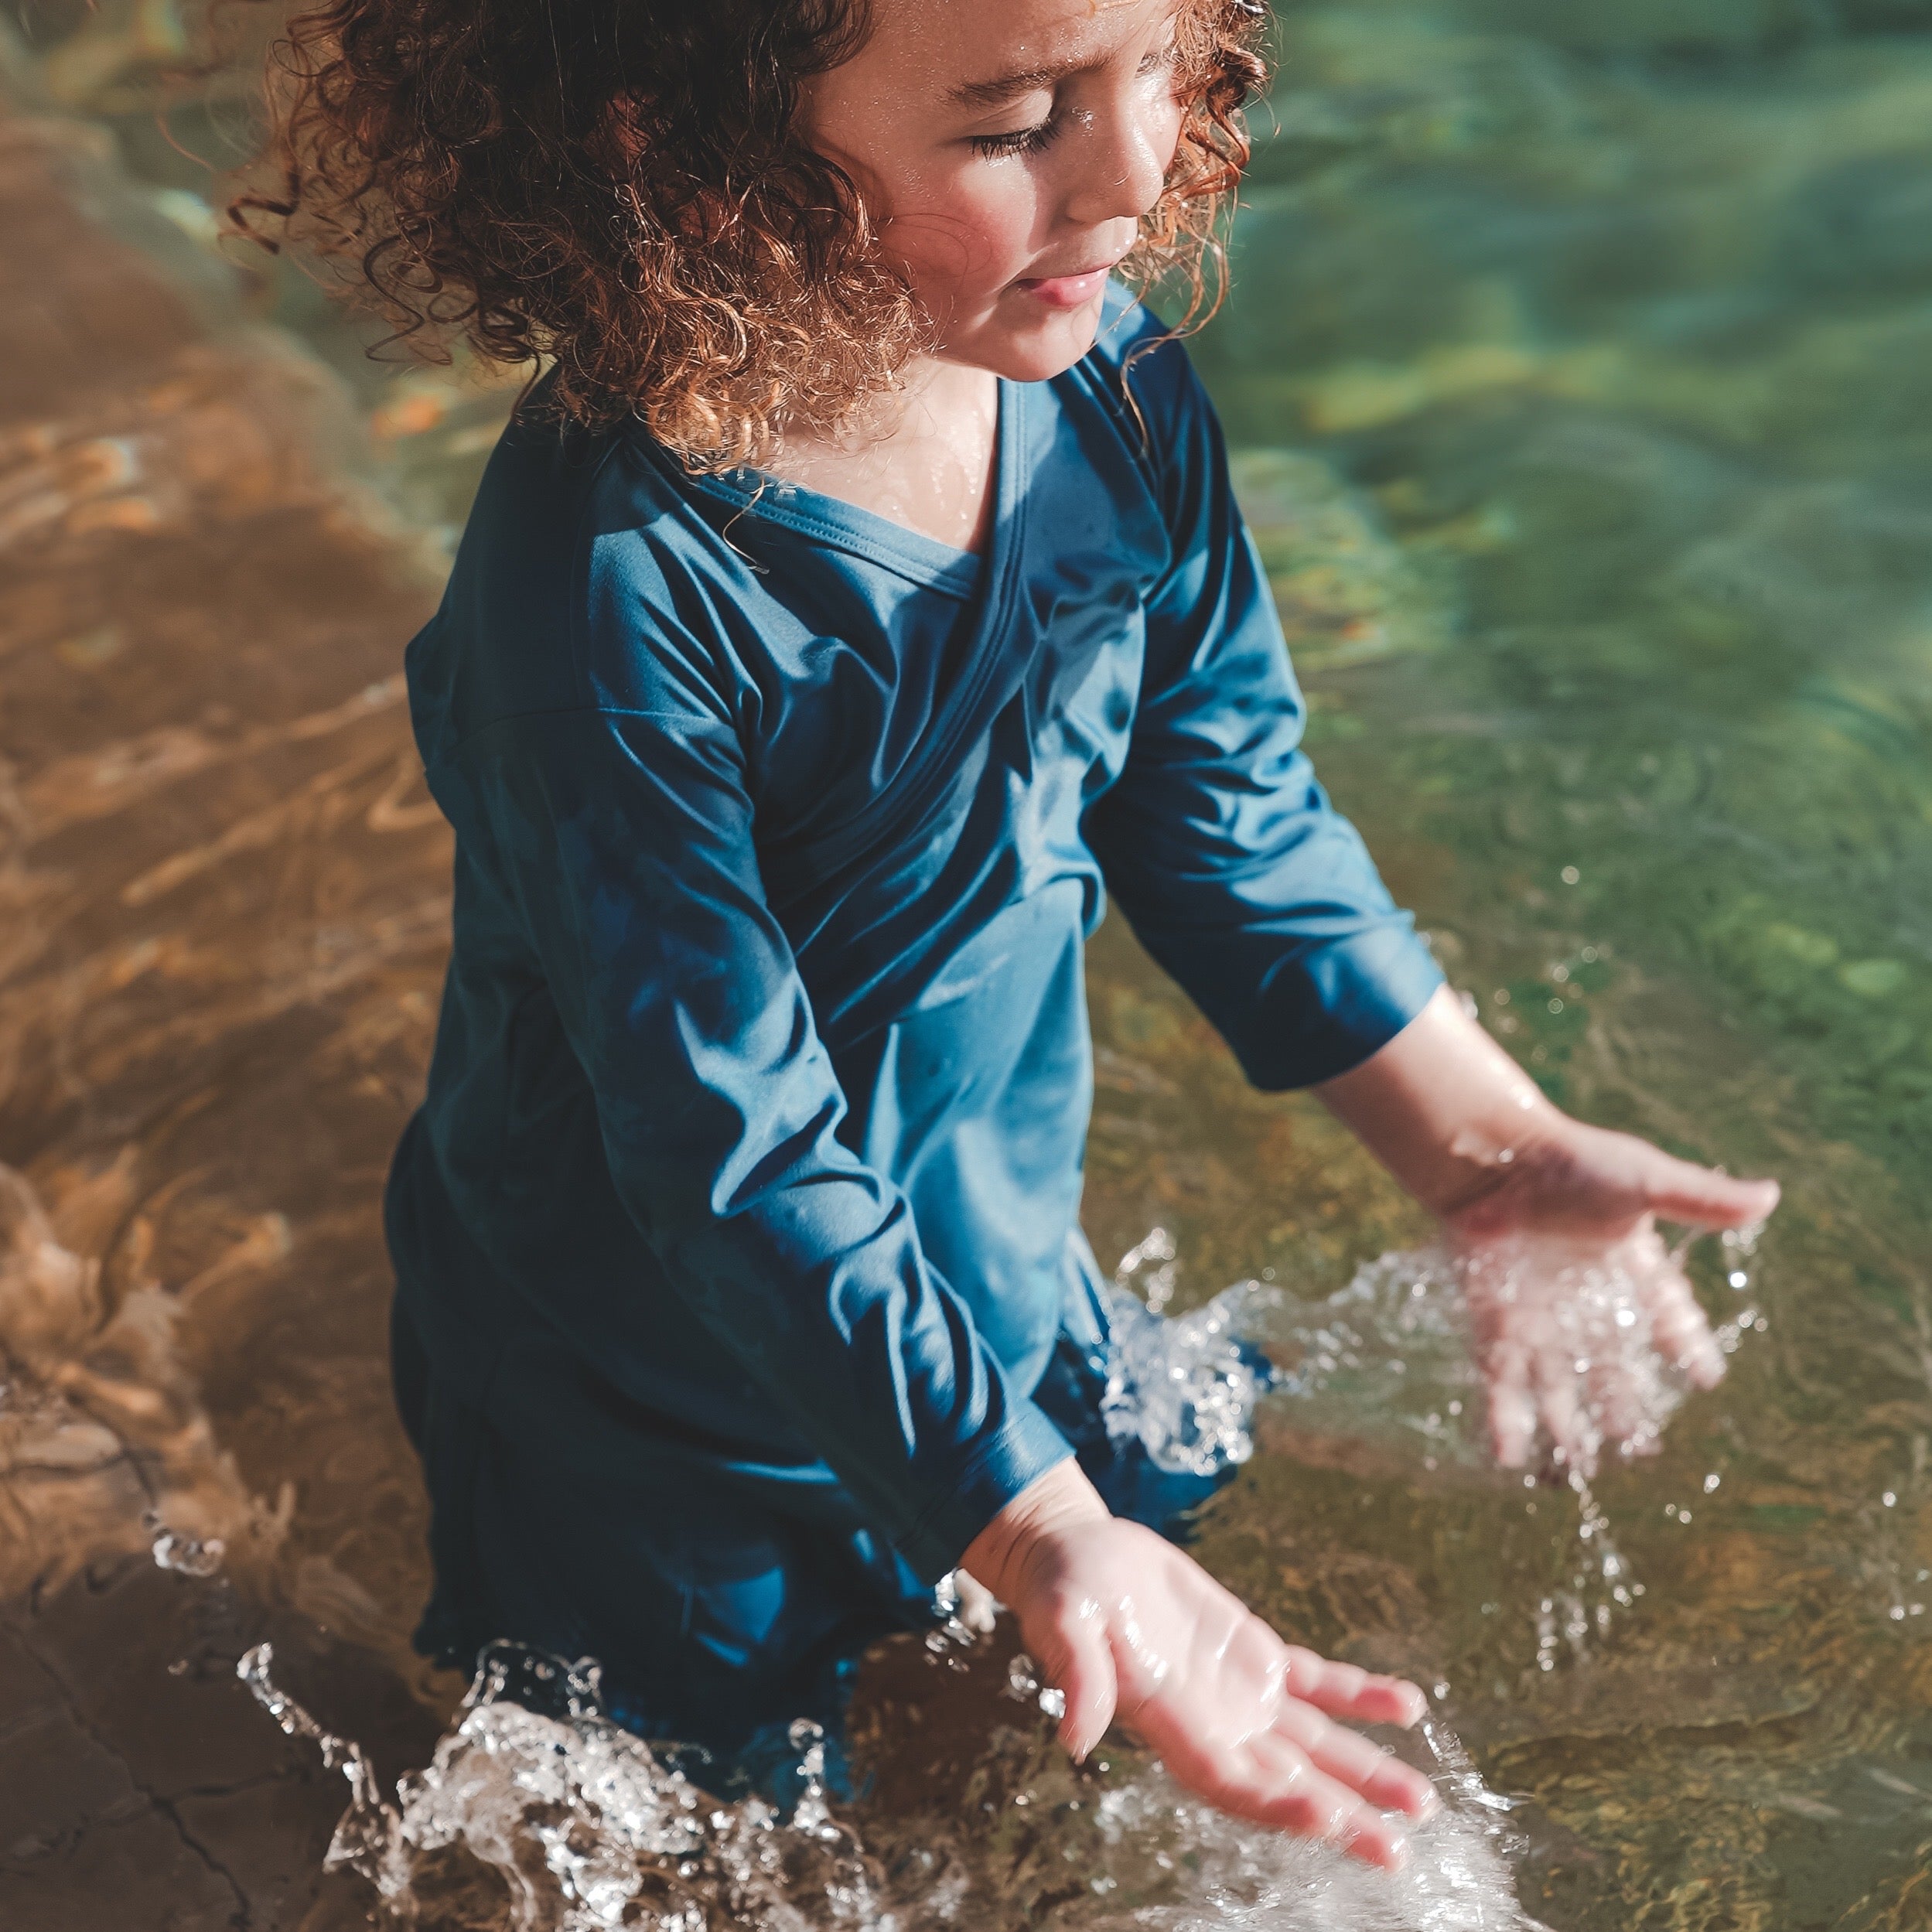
x=1536, y=1205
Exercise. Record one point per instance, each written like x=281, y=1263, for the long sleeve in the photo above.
x=625, y=840
x=1231, y=866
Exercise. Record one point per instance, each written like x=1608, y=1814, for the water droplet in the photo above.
x=1184, y=1386
x=188, y=1556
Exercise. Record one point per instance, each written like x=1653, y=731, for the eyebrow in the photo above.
x=1006, y=86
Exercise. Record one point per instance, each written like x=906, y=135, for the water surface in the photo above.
x=1579, y=365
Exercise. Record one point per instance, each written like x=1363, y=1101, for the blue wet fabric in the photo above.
x=738, y=1228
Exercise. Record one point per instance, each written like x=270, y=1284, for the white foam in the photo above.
x=589, y=1832
x=584, y=1826
x=1182, y=1384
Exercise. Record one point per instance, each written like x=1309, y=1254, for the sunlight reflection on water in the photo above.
x=1579, y=358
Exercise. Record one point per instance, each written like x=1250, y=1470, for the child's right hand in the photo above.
x=1130, y=1628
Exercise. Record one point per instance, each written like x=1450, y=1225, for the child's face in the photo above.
x=1008, y=149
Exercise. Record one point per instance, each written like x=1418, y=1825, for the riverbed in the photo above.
x=1579, y=375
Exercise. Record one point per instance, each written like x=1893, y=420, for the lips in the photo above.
x=1067, y=291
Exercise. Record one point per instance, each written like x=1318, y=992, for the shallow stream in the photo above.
x=1579, y=363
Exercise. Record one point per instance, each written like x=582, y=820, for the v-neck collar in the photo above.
x=884, y=540
x=991, y=669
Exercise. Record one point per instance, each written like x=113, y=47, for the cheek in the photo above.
x=957, y=237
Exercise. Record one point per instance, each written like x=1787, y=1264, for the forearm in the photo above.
x=1443, y=1107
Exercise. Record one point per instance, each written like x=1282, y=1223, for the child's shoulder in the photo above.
x=578, y=584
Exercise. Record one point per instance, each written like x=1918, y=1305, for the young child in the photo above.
x=857, y=603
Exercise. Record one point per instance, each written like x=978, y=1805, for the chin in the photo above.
x=1037, y=351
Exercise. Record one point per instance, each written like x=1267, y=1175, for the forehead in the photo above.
x=962, y=49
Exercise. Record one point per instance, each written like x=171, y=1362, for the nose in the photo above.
x=1119, y=157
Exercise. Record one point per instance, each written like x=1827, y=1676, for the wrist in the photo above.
x=1445, y=1110
x=1488, y=1154
x=1000, y=1554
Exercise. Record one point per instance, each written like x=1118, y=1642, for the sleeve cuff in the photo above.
x=1326, y=1010
x=1023, y=1448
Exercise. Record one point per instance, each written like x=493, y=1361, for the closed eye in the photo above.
x=1017, y=141
x=1164, y=57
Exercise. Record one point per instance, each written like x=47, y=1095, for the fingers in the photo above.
x=1076, y=1656
x=1558, y=1403
x=1512, y=1414
x=1286, y=1790
x=1345, y=1690
x=1680, y=1331
x=1352, y=1760
x=1680, y=1192
x=977, y=1608
x=1615, y=1396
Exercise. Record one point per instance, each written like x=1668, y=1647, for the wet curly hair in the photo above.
x=620, y=188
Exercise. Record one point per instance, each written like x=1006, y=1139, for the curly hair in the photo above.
x=619, y=188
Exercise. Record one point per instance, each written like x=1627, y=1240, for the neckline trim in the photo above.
x=882, y=539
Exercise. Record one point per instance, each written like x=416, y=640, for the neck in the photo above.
x=932, y=398
x=922, y=456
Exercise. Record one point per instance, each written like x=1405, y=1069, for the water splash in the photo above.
x=582, y=1824
x=537, y=1792
x=1398, y=1353
x=1185, y=1385
x=1602, y=1582
x=1404, y=1347
x=366, y=1839
x=1243, y=1877
x=1023, y=1686
x=1157, y=1285
x=1389, y=1355
x=585, y=1830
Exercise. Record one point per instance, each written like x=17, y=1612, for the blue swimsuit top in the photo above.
x=761, y=1081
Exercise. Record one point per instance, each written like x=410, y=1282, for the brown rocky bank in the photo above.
x=223, y=917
